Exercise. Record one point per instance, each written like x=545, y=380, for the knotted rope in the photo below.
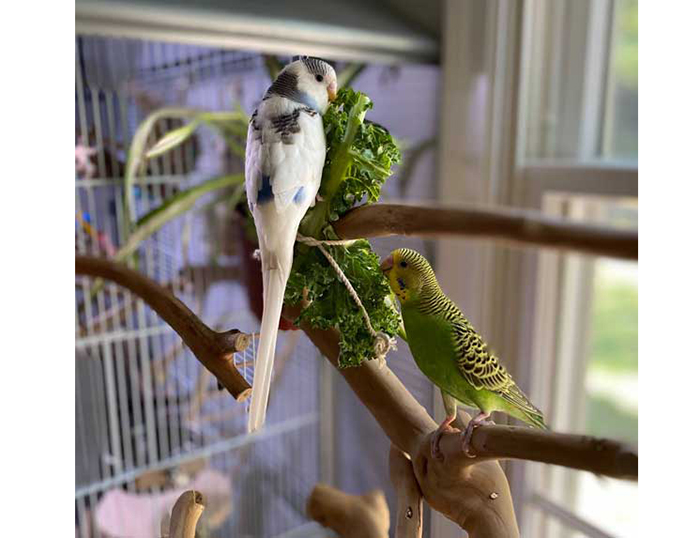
x=383, y=343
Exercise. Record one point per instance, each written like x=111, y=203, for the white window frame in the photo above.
x=493, y=41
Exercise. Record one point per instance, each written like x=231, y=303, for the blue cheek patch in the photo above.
x=299, y=196
x=402, y=284
x=306, y=99
x=265, y=194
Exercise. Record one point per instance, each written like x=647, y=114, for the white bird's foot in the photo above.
x=319, y=198
x=437, y=434
x=481, y=418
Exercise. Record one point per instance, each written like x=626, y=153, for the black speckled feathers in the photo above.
x=316, y=66
x=285, y=85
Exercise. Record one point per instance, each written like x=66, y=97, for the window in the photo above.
x=581, y=80
x=577, y=159
x=587, y=312
x=539, y=111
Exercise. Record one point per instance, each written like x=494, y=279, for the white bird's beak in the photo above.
x=332, y=91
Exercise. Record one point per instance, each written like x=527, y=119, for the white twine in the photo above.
x=383, y=343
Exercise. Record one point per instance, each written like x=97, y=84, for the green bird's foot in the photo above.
x=478, y=420
x=437, y=434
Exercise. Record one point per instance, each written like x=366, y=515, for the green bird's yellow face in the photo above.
x=408, y=273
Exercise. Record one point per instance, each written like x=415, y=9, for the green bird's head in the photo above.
x=409, y=274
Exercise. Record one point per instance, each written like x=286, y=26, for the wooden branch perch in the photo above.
x=405, y=422
x=351, y=516
x=186, y=513
x=473, y=492
x=458, y=489
x=213, y=349
x=510, y=224
x=600, y=456
x=409, y=509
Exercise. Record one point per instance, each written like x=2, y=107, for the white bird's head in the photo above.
x=309, y=81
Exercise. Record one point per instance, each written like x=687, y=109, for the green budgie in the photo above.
x=450, y=352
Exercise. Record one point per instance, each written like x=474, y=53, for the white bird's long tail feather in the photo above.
x=274, y=284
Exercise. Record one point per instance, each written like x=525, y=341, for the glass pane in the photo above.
x=594, y=377
x=621, y=116
x=611, y=394
x=580, y=80
x=611, y=373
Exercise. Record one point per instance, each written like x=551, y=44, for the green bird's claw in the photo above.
x=477, y=421
x=437, y=434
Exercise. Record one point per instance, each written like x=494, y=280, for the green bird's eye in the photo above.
x=403, y=264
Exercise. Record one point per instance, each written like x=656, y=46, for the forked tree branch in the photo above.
x=405, y=421
x=213, y=349
x=509, y=224
x=473, y=492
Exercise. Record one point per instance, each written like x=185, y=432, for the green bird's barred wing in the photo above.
x=483, y=370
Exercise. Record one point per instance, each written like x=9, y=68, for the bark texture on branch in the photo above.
x=351, y=516
x=213, y=349
x=509, y=224
x=600, y=456
x=186, y=513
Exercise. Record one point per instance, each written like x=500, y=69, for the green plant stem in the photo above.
x=172, y=208
x=164, y=213
x=136, y=158
x=336, y=172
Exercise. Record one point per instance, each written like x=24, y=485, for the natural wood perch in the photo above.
x=409, y=499
x=462, y=488
x=459, y=489
x=186, y=513
x=600, y=456
x=472, y=492
x=351, y=516
x=510, y=224
x=213, y=349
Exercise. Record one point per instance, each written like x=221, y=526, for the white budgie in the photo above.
x=285, y=153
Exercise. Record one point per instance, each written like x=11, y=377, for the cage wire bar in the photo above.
x=150, y=421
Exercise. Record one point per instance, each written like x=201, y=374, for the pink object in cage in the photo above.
x=120, y=513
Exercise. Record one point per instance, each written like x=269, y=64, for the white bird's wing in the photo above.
x=284, y=154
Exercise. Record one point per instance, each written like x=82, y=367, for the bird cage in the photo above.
x=150, y=420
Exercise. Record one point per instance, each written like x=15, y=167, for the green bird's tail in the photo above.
x=522, y=408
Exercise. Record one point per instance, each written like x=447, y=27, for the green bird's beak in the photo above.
x=387, y=264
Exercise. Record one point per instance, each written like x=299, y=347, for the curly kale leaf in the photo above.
x=370, y=154
x=358, y=161
x=333, y=307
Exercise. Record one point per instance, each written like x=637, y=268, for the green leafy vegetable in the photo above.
x=358, y=161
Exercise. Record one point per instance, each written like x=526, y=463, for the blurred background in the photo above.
x=528, y=103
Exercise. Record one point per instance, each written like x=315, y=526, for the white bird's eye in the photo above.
x=319, y=78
